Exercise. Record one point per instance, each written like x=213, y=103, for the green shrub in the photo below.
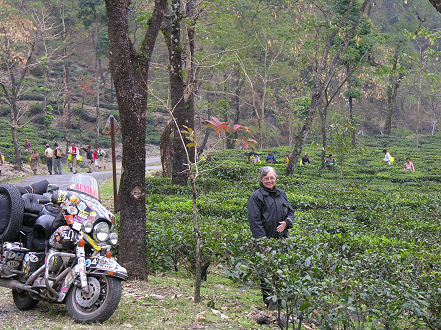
x=36, y=109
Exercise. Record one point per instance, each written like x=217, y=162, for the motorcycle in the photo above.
x=56, y=246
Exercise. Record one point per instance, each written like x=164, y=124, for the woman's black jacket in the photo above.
x=266, y=208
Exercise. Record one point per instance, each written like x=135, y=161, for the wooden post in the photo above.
x=112, y=127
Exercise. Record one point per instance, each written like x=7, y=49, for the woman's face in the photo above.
x=269, y=180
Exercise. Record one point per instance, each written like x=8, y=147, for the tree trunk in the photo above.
x=97, y=79
x=392, y=91
x=301, y=137
x=420, y=91
x=182, y=111
x=130, y=73
x=351, y=120
x=165, y=148
x=323, y=120
x=198, y=236
x=235, y=104
x=66, y=78
x=14, y=123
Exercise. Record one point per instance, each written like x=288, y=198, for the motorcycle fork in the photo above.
x=82, y=267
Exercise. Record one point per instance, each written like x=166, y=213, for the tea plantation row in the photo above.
x=364, y=251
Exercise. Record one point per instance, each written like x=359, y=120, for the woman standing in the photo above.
x=270, y=214
x=34, y=161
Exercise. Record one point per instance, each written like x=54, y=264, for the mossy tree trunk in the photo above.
x=129, y=69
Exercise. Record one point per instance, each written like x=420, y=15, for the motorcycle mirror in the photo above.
x=52, y=187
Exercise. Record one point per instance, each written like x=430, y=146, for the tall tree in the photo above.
x=424, y=59
x=92, y=16
x=20, y=32
x=179, y=37
x=130, y=68
x=340, y=26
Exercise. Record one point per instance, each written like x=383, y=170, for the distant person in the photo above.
x=408, y=165
x=270, y=159
x=95, y=158
x=287, y=158
x=305, y=159
x=27, y=146
x=330, y=162
x=57, y=159
x=387, y=157
x=209, y=157
x=251, y=155
x=49, y=154
x=1, y=162
x=256, y=159
x=101, y=160
x=89, y=155
x=72, y=158
x=34, y=161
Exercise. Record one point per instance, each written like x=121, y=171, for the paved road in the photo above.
x=63, y=180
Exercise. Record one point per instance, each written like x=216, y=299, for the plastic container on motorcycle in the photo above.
x=32, y=261
x=12, y=258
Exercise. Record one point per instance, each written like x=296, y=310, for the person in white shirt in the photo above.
x=386, y=157
x=49, y=153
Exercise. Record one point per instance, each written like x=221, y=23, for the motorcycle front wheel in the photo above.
x=98, y=304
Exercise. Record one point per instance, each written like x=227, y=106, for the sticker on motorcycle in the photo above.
x=76, y=225
x=65, y=204
x=83, y=215
x=13, y=263
x=74, y=199
x=72, y=210
x=62, y=197
x=81, y=206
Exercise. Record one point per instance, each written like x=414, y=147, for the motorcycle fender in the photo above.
x=101, y=265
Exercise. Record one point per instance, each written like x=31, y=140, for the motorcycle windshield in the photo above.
x=85, y=184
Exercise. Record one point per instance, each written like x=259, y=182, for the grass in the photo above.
x=165, y=302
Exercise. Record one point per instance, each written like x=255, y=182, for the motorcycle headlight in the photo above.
x=101, y=231
x=113, y=238
x=88, y=226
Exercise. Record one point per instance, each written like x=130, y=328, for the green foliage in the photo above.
x=36, y=109
x=363, y=252
x=48, y=119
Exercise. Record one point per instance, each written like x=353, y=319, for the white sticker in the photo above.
x=82, y=206
x=77, y=226
x=72, y=210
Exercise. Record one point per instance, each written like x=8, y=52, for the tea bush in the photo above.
x=364, y=251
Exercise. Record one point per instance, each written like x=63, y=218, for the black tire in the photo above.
x=105, y=306
x=11, y=212
x=23, y=301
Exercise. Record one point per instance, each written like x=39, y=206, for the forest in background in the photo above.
x=253, y=63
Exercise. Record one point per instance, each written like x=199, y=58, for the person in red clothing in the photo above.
x=96, y=158
x=73, y=152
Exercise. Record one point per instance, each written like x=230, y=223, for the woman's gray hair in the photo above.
x=265, y=170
